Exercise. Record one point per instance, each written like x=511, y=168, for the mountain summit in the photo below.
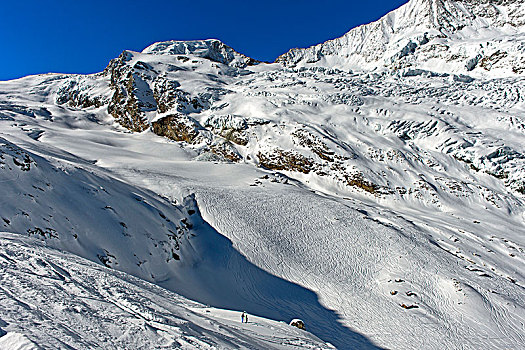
x=477, y=37
x=212, y=49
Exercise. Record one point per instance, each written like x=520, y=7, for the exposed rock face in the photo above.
x=125, y=106
x=307, y=139
x=232, y=128
x=178, y=128
x=285, y=160
x=226, y=150
x=140, y=92
x=169, y=96
x=166, y=94
x=144, y=97
x=78, y=92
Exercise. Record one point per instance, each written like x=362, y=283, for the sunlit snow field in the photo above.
x=384, y=209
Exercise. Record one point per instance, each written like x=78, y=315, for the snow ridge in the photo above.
x=444, y=36
x=212, y=49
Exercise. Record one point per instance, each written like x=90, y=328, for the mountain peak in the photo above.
x=212, y=49
x=446, y=36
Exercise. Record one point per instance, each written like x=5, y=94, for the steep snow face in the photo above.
x=480, y=38
x=46, y=197
x=212, y=49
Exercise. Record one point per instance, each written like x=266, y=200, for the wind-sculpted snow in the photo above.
x=51, y=299
x=429, y=160
x=383, y=207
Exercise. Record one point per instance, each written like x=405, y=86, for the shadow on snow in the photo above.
x=221, y=277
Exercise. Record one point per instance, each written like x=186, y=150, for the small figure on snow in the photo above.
x=297, y=323
x=243, y=315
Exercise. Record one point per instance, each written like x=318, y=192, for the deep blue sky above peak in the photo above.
x=67, y=36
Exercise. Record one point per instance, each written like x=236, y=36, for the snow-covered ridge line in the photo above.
x=212, y=49
x=483, y=38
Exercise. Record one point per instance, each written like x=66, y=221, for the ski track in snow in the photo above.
x=61, y=301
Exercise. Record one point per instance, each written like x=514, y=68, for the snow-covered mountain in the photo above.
x=212, y=49
x=55, y=300
x=372, y=186
x=484, y=38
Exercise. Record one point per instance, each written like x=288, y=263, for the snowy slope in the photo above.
x=482, y=38
x=384, y=208
x=170, y=245
x=55, y=300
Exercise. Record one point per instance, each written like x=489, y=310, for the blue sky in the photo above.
x=70, y=36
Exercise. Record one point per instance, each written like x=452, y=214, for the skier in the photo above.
x=246, y=318
x=243, y=315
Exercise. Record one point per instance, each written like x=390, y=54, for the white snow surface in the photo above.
x=16, y=341
x=52, y=299
x=212, y=49
x=482, y=38
x=385, y=208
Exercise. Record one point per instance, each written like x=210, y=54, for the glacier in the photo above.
x=372, y=186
